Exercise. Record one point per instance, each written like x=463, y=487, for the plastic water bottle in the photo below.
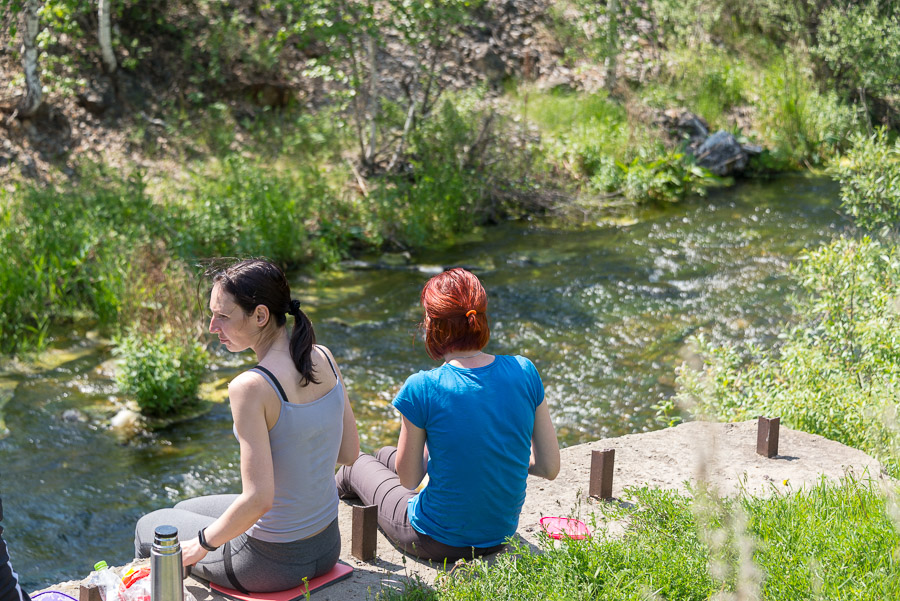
x=166, y=572
x=107, y=581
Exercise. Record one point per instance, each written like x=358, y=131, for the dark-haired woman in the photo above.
x=10, y=589
x=293, y=422
x=487, y=428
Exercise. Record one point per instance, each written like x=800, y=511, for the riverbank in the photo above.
x=186, y=160
x=724, y=455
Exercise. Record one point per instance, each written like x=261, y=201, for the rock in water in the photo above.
x=125, y=421
x=722, y=154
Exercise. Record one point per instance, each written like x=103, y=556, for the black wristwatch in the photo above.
x=202, y=537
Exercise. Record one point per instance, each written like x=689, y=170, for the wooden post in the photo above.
x=767, y=436
x=89, y=592
x=602, y=473
x=364, y=539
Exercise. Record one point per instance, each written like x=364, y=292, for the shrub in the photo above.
x=870, y=181
x=162, y=372
x=836, y=372
x=459, y=176
x=861, y=46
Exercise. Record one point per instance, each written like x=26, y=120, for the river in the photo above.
x=605, y=310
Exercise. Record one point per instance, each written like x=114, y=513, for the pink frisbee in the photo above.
x=569, y=527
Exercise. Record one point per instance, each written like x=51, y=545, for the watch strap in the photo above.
x=201, y=536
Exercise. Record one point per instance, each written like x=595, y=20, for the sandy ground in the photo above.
x=722, y=454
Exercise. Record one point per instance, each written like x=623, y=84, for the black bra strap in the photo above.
x=333, y=370
x=273, y=381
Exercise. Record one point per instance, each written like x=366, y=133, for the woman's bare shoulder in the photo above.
x=248, y=384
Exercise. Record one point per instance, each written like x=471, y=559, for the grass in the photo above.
x=577, y=129
x=830, y=541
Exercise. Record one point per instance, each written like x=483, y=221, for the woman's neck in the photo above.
x=468, y=359
x=278, y=343
x=457, y=355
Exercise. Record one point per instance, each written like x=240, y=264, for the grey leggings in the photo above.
x=374, y=480
x=254, y=565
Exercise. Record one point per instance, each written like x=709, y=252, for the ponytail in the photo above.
x=303, y=338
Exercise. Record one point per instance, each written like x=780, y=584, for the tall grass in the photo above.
x=597, y=142
x=579, y=130
x=459, y=175
x=76, y=252
x=66, y=254
x=243, y=207
x=830, y=541
x=804, y=125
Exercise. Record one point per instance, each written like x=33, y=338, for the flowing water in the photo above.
x=605, y=311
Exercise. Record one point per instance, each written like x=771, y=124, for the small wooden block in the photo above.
x=602, y=473
x=89, y=592
x=767, y=436
x=364, y=539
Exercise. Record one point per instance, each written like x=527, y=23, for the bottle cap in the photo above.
x=163, y=532
x=100, y=565
x=165, y=540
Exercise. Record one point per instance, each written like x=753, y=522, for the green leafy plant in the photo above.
x=861, y=46
x=869, y=175
x=660, y=176
x=160, y=371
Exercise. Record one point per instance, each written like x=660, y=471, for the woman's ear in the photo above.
x=262, y=315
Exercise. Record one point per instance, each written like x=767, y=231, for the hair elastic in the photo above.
x=471, y=312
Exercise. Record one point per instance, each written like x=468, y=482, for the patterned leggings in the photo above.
x=374, y=480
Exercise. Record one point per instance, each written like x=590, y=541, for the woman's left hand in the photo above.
x=192, y=552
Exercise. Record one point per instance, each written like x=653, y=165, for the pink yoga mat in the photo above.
x=564, y=527
x=337, y=573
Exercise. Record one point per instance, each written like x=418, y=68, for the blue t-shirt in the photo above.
x=478, y=425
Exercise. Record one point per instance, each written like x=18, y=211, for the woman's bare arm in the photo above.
x=544, y=445
x=411, y=464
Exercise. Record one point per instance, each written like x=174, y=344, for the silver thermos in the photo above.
x=166, y=572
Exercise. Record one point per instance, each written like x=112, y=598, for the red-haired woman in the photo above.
x=486, y=426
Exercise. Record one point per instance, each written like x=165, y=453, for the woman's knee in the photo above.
x=208, y=505
x=143, y=532
x=387, y=456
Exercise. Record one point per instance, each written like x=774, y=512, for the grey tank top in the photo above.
x=305, y=442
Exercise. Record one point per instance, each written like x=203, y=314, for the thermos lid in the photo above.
x=165, y=532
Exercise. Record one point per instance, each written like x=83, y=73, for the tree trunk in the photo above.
x=612, y=43
x=109, y=59
x=373, y=101
x=33, y=93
